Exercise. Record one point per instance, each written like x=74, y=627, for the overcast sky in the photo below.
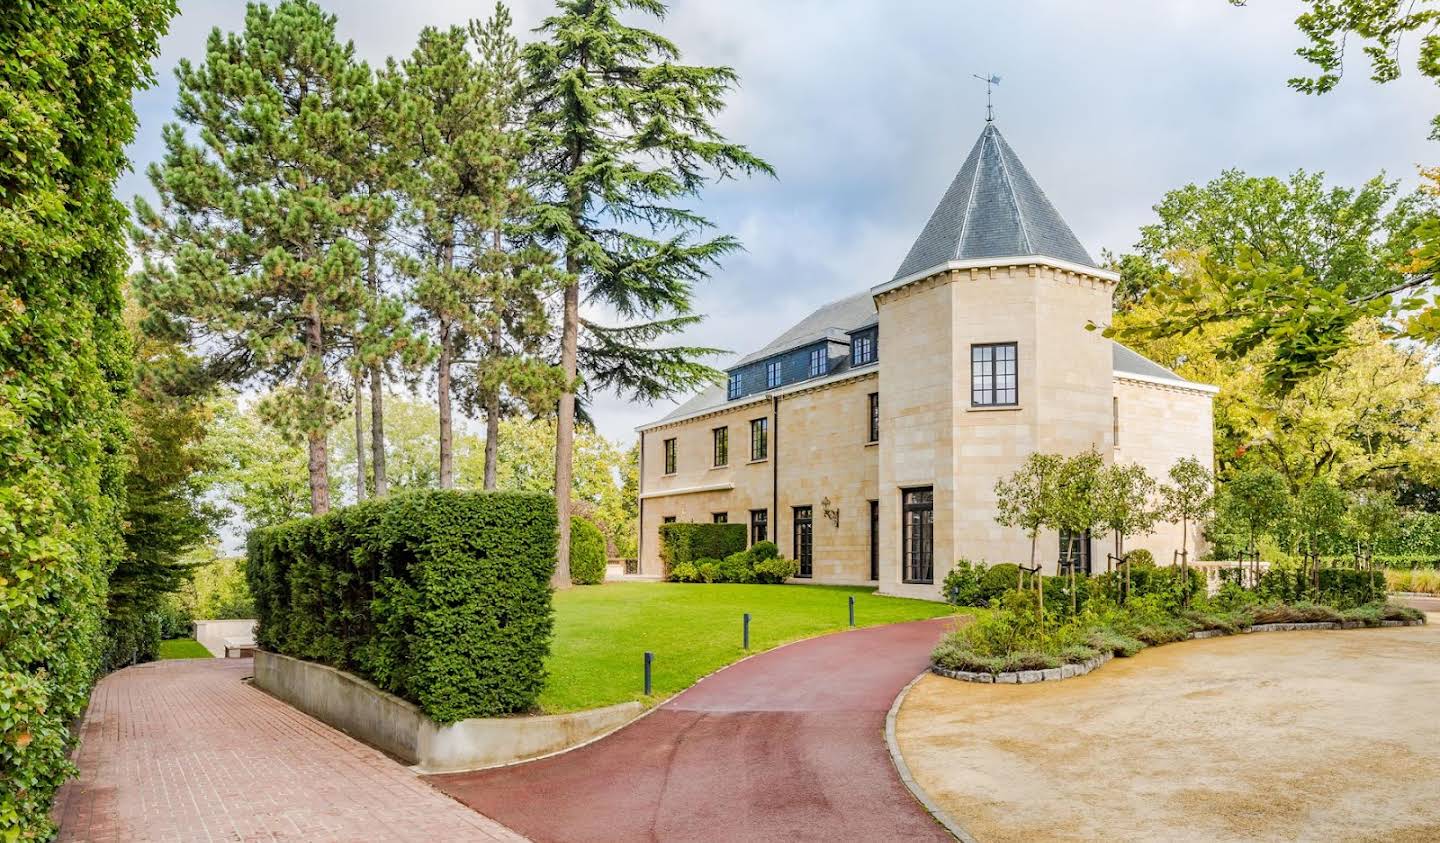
x=866, y=108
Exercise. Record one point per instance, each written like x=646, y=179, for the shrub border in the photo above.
x=1069, y=671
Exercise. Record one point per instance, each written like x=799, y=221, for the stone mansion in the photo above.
x=866, y=440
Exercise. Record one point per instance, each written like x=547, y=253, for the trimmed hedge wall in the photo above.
x=682, y=543
x=442, y=598
x=587, y=552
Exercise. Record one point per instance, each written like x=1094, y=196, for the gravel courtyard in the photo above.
x=1322, y=735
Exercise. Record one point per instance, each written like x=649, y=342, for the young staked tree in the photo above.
x=1026, y=500
x=248, y=257
x=1077, y=511
x=1188, y=497
x=624, y=134
x=1258, y=499
x=1127, y=502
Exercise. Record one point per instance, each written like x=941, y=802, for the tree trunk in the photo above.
x=447, y=476
x=319, y=465
x=377, y=385
x=359, y=436
x=565, y=424
x=492, y=400
x=492, y=438
x=377, y=432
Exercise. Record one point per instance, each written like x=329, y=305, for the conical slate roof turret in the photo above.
x=993, y=209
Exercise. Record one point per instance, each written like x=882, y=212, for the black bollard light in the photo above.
x=649, y=660
x=852, y=610
x=745, y=631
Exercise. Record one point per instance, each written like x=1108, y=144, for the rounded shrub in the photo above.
x=684, y=572
x=776, y=571
x=737, y=568
x=1140, y=558
x=587, y=552
x=760, y=551
x=999, y=579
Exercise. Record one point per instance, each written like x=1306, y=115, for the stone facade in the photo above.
x=1010, y=272
x=819, y=454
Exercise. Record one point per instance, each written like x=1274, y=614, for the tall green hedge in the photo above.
x=681, y=543
x=587, y=552
x=67, y=73
x=442, y=598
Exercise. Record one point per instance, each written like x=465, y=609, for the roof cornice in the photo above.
x=1191, y=386
x=986, y=263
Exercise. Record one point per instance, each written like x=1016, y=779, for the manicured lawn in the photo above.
x=602, y=632
x=183, y=648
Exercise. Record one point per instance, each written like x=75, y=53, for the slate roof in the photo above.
x=993, y=209
x=829, y=321
x=1131, y=362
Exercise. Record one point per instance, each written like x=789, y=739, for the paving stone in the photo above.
x=1007, y=678
x=1051, y=674
x=1068, y=670
x=1028, y=676
x=183, y=750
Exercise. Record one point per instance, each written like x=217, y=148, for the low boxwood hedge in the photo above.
x=442, y=598
x=690, y=543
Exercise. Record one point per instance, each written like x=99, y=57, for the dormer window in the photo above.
x=862, y=350
x=772, y=374
x=734, y=391
x=817, y=362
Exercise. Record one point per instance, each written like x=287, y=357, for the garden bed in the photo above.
x=1071, y=670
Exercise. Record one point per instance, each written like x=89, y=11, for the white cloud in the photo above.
x=867, y=107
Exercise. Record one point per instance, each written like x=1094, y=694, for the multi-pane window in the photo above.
x=759, y=439
x=817, y=362
x=720, y=440
x=874, y=417
x=759, y=525
x=918, y=540
x=720, y=517
x=804, y=541
x=1115, y=422
x=862, y=350
x=669, y=519
x=993, y=378
x=1074, y=552
x=772, y=374
x=669, y=456
x=734, y=391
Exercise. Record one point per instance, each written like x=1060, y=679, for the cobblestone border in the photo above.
x=1068, y=671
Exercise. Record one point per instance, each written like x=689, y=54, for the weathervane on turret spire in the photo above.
x=990, y=82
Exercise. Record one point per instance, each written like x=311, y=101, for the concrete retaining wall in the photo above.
x=212, y=634
x=400, y=728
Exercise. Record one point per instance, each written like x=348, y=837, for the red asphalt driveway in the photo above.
x=787, y=745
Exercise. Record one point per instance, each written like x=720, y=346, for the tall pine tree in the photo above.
x=249, y=257
x=624, y=133
x=461, y=193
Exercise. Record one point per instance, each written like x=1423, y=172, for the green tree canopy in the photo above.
x=1350, y=237
x=249, y=256
x=1026, y=499
x=623, y=135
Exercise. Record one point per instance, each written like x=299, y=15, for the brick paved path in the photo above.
x=182, y=750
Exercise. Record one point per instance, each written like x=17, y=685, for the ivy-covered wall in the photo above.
x=67, y=72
